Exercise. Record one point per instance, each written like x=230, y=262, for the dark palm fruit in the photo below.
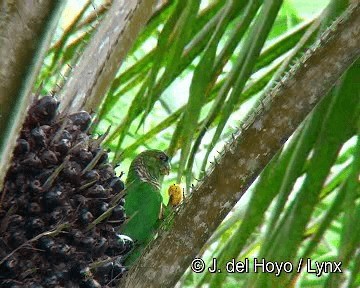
x=100, y=246
x=105, y=272
x=106, y=171
x=118, y=269
x=46, y=244
x=38, y=135
x=103, y=158
x=122, y=202
x=44, y=110
x=76, y=237
x=79, y=200
x=90, y=283
x=72, y=171
x=74, y=272
x=22, y=185
x=53, y=198
x=85, y=156
x=48, y=189
x=116, y=184
x=37, y=223
x=35, y=186
x=99, y=207
x=22, y=146
x=16, y=239
x=67, y=208
x=51, y=280
x=8, y=267
x=56, y=216
x=83, y=137
x=46, y=129
x=91, y=175
x=34, y=226
x=118, y=213
x=22, y=201
x=75, y=149
x=96, y=191
x=63, y=146
x=21, y=179
x=103, y=207
x=62, y=250
x=61, y=277
x=48, y=157
x=88, y=243
x=81, y=119
x=15, y=220
x=107, y=268
x=84, y=272
x=34, y=208
x=66, y=135
x=85, y=216
x=31, y=160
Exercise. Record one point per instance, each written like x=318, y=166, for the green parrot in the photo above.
x=143, y=200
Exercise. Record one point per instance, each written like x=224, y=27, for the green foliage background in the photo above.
x=192, y=76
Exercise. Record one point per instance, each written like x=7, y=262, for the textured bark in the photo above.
x=25, y=30
x=103, y=56
x=262, y=135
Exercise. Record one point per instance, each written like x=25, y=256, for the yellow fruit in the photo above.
x=175, y=195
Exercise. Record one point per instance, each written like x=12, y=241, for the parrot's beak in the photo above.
x=165, y=170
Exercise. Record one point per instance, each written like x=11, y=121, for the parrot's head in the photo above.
x=151, y=164
x=156, y=161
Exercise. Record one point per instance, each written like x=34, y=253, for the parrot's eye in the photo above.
x=163, y=157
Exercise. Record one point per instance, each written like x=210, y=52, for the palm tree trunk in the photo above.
x=102, y=58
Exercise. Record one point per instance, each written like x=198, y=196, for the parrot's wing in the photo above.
x=142, y=206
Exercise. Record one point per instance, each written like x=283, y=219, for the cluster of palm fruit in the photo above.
x=58, y=186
